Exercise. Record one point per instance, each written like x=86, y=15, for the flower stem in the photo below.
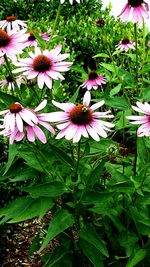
x=143, y=55
x=11, y=74
x=135, y=159
x=136, y=55
x=56, y=19
x=78, y=161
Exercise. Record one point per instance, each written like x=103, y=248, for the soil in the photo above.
x=18, y=242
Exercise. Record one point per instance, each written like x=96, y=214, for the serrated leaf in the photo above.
x=61, y=220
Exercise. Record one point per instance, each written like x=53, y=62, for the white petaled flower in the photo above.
x=32, y=41
x=125, y=45
x=17, y=115
x=12, y=23
x=9, y=81
x=45, y=65
x=19, y=122
x=144, y=120
x=11, y=43
x=138, y=9
x=93, y=81
x=81, y=120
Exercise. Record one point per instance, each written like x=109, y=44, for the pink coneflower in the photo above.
x=10, y=83
x=11, y=43
x=70, y=1
x=125, y=45
x=16, y=116
x=32, y=41
x=44, y=65
x=144, y=129
x=93, y=81
x=27, y=124
x=138, y=10
x=81, y=120
x=12, y=23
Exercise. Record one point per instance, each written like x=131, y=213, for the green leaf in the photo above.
x=74, y=97
x=24, y=174
x=61, y=220
x=102, y=146
x=57, y=255
x=91, y=253
x=93, y=197
x=47, y=190
x=61, y=155
x=88, y=234
x=8, y=99
x=13, y=150
x=128, y=240
x=123, y=187
x=117, y=102
x=110, y=67
x=32, y=159
x=115, y=90
x=140, y=216
x=25, y=208
x=142, y=151
x=40, y=39
x=96, y=173
x=101, y=55
x=136, y=257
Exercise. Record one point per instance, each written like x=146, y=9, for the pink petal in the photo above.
x=87, y=98
x=41, y=105
x=40, y=134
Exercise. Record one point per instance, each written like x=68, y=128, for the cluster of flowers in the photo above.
x=73, y=121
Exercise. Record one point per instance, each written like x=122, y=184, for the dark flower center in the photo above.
x=42, y=63
x=125, y=41
x=11, y=18
x=9, y=79
x=100, y=22
x=135, y=3
x=31, y=37
x=92, y=75
x=81, y=115
x=4, y=38
x=15, y=108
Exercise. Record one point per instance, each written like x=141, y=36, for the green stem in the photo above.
x=135, y=158
x=78, y=161
x=136, y=54
x=143, y=56
x=11, y=74
x=56, y=19
x=123, y=139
